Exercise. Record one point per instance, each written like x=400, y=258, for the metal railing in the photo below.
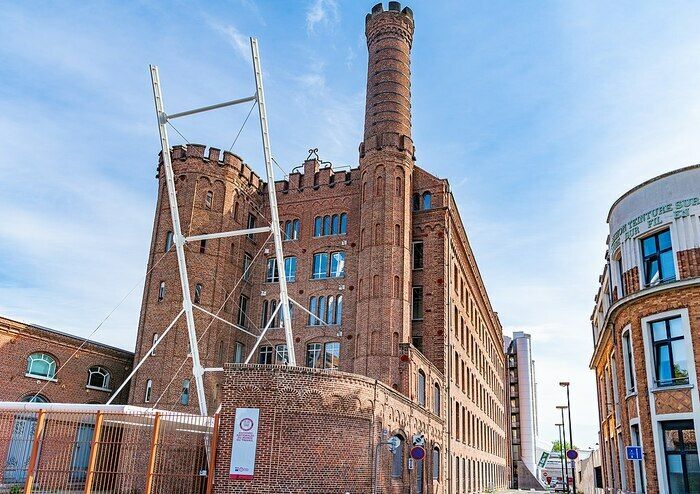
x=103, y=451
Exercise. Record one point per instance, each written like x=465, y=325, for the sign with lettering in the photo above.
x=650, y=219
x=543, y=459
x=245, y=442
x=634, y=453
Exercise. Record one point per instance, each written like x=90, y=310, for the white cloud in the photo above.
x=322, y=12
x=240, y=42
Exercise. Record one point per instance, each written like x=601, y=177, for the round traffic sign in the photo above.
x=572, y=454
x=417, y=452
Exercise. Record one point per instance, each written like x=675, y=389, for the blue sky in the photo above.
x=539, y=113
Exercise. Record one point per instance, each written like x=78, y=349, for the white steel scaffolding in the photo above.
x=180, y=240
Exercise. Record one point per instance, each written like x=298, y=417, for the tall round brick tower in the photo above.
x=386, y=168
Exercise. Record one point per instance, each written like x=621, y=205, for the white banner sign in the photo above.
x=245, y=441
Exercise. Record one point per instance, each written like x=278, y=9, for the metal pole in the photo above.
x=561, y=457
x=212, y=454
x=272, y=194
x=34, y=455
x=210, y=107
x=563, y=449
x=571, y=438
x=152, y=456
x=92, y=461
x=179, y=240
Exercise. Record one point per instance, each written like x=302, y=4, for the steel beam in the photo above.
x=210, y=107
x=233, y=233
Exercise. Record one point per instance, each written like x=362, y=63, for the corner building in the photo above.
x=378, y=253
x=646, y=333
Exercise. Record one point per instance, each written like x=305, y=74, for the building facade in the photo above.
x=32, y=356
x=526, y=449
x=377, y=254
x=646, y=333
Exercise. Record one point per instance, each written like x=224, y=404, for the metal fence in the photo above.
x=99, y=452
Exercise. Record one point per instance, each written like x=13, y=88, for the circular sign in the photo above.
x=572, y=454
x=417, y=452
x=246, y=424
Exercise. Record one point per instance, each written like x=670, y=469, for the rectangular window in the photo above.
x=638, y=465
x=161, y=291
x=238, y=354
x=621, y=273
x=168, y=241
x=197, y=293
x=337, y=264
x=332, y=358
x=314, y=356
x=265, y=355
x=242, y=311
x=271, y=273
x=251, y=224
x=290, y=269
x=281, y=354
x=628, y=362
x=247, y=266
x=669, y=348
x=680, y=446
x=418, y=255
x=155, y=340
x=320, y=270
x=417, y=303
x=185, y=395
x=658, y=258
x=149, y=390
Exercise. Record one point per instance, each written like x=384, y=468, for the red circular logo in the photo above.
x=246, y=424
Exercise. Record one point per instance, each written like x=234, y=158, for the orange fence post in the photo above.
x=152, y=458
x=34, y=456
x=96, y=435
x=212, y=454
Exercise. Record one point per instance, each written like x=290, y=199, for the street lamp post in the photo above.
x=563, y=447
x=561, y=457
x=571, y=436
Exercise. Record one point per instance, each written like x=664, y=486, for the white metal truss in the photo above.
x=180, y=240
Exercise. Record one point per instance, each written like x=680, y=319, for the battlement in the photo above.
x=313, y=176
x=394, y=8
x=214, y=155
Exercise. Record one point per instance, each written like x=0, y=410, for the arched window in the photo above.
x=208, y=199
x=161, y=291
x=327, y=225
x=397, y=459
x=436, y=399
x=149, y=390
x=322, y=309
x=427, y=200
x=155, y=339
x=98, y=377
x=197, y=293
x=335, y=220
x=380, y=186
x=331, y=310
x=318, y=226
x=34, y=398
x=185, y=395
x=41, y=365
x=235, y=211
x=168, y=241
x=339, y=310
x=421, y=388
x=416, y=202
x=263, y=316
x=343, y=224
x=296, y=227
x=397, y=189
x=313, y=308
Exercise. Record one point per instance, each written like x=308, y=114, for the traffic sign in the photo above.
x=417, y=452
x=572, y=454
x=393, y=443
x=634, y=453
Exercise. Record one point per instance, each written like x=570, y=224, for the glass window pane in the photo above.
x=663, y=364
x=312, y=308
x=320, y=266
x=668, y=270
x=675, y=327
x=282, y=356
x=337, y=264
x=649, y=246
x=321, y=309
x=317, y=226
x=427, y=200
x=332, y=358
x=326, y=225
x=690, y=443
x=290, y=268
x=336, y=224
x=418, y=255
x=314, y=359
x=331, y=310
x=651, y=271
x=343, y=223
x=658, y=330
x=676, y=482
x=272, y=273
x=693, y=469
x=664, y=240
x=680, y=364
x=339, y=310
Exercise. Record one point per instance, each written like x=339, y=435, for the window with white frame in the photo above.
x=265, y=355
x=628, y=361
x=320, y=355
x=417, y=303
x=669, y=351
x=281, y=354
x=417, y=257
x=98, y=377
x=242, y=319
x=238, y=352
x=185, y=394
x=41, y=365
x=161, y=291
x=657, y=253
x=149, y=390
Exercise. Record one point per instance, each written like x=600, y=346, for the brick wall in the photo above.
x=689, y=263
x=19, y=340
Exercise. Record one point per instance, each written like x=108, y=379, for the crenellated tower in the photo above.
x=386, y=169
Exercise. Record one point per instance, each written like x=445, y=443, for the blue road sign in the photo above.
x=634, y=452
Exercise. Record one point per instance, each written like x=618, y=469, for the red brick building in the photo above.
x=378, y=252
x=646, y=332
x=32, y=355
